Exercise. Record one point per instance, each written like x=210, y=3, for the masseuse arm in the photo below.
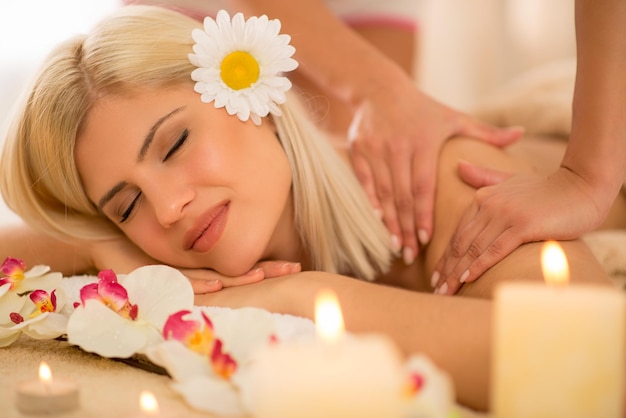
x=576, y=197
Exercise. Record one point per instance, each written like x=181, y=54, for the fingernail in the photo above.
x=434, y=279
x=407, y=256
x=422, y=235
x=254, y=272
x=443, y=289
x=379, y=214
x=464, y=276
x=296, y=267
x=395, y=243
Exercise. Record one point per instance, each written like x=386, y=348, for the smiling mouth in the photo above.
x=208, y=229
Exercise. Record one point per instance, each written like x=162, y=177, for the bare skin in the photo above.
x=455, y=332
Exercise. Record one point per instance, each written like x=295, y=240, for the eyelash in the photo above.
x=175, y=147
x=179, y=142
x=130, y=208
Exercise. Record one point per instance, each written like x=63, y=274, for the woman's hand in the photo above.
x=208, y=281
x=122, y=256
x=395, y=142
x=508, y=211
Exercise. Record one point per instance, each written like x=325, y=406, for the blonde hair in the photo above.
x=144, y=46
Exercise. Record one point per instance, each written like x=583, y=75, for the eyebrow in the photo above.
x=140, y=156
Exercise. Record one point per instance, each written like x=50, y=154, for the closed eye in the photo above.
x=130, y=208
x=179, y=142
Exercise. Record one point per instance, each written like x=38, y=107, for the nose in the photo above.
x=169, y=199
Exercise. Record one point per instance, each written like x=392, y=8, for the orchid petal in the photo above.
x=11, y=302
x=180, y=363
x=211, y=395
x=51, y=326
x=13, y=267
x=114, y=335
x=8, y=336
x=4, y=288
x=89, y=292
x=241, y=330
x=37, y=271
x=47, y=282
x=158, y=290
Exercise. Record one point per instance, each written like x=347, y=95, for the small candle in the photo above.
x=558, y=348
x=148, y=404
x=332, y=377
x=46, y=395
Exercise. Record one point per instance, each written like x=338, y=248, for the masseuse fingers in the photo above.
x=456, y=247
x=364, y=173
x=404, y=199
x=478, y=177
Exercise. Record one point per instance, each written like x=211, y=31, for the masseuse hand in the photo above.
x=508, y=211
x=395, y=141
x=123, y=256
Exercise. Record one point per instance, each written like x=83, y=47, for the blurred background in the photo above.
x=467, y=49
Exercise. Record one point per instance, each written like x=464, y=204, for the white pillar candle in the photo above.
x=331, y=377
x=558, y=349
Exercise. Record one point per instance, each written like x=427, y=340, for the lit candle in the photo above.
x=46, y=395
x=148, y=404
x=333, y=376
x=558, y=348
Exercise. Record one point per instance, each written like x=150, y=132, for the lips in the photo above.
x=208, y=228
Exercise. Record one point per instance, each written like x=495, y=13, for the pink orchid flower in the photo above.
x=39, y=318
x=112, y=294
x=119, y=316
x=208, y=350
x=15, y=284
x=198, y=336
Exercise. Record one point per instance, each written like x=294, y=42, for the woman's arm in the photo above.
x=21, y=241
x=453, y=332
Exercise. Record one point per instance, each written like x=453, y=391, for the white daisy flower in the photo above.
x=240, y=63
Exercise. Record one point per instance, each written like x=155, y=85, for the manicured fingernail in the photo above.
x=434, y=278
x=254, y=272
x=443, y=289
x=422, y=235
x=395, y=243
x=408, y=256
x=464, y=276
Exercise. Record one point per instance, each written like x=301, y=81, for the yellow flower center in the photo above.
x=239, y=70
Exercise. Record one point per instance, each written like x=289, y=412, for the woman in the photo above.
x=112, y=139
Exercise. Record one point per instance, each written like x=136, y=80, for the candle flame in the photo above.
x=45, y=375
x=148, y=403
x=328, y=317
x=554, y=264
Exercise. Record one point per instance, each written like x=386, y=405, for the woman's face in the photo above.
x=189, y=184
